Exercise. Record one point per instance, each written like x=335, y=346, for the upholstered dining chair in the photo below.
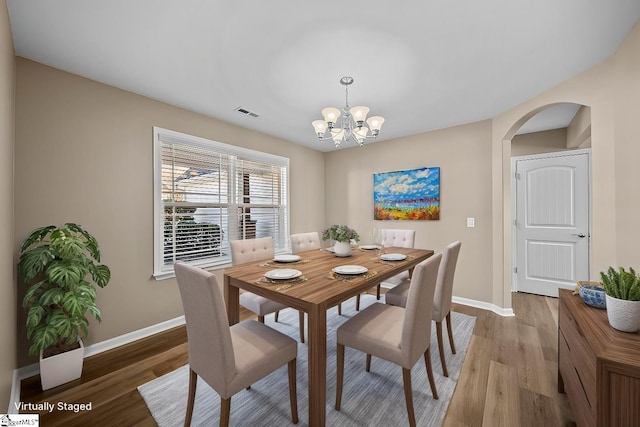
x=249, y=250
x=442, y=300
x=391, y=237
x=227, y=358
x=405, y=334
x=301, y=242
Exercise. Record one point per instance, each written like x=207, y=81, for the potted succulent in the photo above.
x=60, y=266
x=622, y=289
x=342, y=236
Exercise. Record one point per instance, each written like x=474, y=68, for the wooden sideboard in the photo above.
x=598, y=366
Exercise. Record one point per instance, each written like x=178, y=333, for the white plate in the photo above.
x=286, y=258
x=368, y=247
x=282, y=273
x=393, y=257
x=350, y=269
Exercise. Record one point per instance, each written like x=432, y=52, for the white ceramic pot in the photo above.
x=342, y=249
x=61, y=368
x=623, y=315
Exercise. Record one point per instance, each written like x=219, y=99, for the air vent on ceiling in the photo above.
x=246, y=112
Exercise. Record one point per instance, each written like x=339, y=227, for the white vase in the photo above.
x=61, y=368
x=623, y=315
x=342, y=249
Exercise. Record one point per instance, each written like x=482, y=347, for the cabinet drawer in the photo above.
x=580, y=353
x=582, y=404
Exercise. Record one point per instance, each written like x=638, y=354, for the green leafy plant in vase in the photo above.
x=342, y=235
x=622, y=289
x=61, y=268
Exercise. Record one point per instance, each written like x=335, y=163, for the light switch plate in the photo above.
x=471, y=222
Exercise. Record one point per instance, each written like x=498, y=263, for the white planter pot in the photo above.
x=623, y=315
x=61, y=368
x=342, y=249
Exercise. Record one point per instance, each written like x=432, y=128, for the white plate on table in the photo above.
x=282, y=274
x=350, y=269
x=393, y=257
x=286, y=258
x=369, y=247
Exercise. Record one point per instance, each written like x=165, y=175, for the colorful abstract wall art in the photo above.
x=407, y=195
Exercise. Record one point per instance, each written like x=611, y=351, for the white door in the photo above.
x=552, y=222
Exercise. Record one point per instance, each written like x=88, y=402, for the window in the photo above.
x=207, y=193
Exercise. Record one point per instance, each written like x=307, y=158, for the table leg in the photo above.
x=317, y=352
x=232, y=297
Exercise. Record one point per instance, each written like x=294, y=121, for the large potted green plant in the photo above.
x=61, y=268
x=622, y=292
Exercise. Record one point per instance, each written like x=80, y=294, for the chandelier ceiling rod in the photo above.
x=342, y=125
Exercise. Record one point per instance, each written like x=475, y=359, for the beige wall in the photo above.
x=8, y=302
x=84, y=154
x=539, y=142
x=463, y=154
x=612, y=90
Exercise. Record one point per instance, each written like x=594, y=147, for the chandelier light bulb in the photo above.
x=359, y=114
x=320, y=126
x=331, y=115
x=375, y=123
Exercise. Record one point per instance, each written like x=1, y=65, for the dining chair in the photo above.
x=227, y=358
x=396, y=334
x=250, y=250
x=442, y=300
x=399, y=238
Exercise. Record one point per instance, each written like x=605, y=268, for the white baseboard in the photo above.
x=91, y=350
x=505, y=312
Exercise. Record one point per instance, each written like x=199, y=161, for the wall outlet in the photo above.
x=471, y=222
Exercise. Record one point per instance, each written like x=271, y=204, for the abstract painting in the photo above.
x=407, y=195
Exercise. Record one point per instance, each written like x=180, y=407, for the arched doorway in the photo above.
x=549, y=206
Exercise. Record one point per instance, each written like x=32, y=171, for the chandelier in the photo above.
x=348, y=123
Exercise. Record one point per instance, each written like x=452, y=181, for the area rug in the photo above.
x=369, y=398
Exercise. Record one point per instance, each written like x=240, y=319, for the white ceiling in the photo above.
x=423, y=65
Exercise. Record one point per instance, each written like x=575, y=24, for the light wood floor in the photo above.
x=509, y=376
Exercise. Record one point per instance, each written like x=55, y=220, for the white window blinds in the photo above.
x=208, y=193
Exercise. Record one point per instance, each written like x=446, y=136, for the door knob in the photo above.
x=581, y=235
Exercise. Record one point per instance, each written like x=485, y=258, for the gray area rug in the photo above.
x=373, y=398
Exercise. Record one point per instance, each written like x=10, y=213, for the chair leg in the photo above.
x=339, y=374
x=293, y=394
x=193, y=380
x=453, y=346
x=301, y=321
x=277, y=313
x=427, y=363
x=340, y=309
x=225, y=412
x=261, y=319
x=441, y=349
x=368, y=366
x=358, y=302
x=408, y=396
x=378, y=291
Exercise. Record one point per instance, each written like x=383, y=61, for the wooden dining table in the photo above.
x=314, y=292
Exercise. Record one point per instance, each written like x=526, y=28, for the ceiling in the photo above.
x=423, y=65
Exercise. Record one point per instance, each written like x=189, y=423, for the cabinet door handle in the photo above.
x=580, y=235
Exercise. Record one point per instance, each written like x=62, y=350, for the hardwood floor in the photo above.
x=509, y=376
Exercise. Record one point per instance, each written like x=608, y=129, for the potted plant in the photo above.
x=342, y=236
x=622, y=289
x=60, y=266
